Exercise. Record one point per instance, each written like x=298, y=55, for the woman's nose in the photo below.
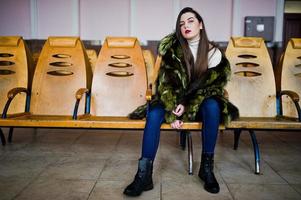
x=186, y=26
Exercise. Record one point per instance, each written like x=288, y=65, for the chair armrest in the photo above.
x=80, y=92
x=13, y=92
x=295, y=98
x=78, y=96
x=10, y=96
x=293, y=95
x=148, y=94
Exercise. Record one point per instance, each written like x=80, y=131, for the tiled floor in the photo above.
x=63, y=164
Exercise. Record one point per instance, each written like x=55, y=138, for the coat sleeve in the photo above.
x=166, y=92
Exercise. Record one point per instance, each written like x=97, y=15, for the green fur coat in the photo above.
x=173, y=86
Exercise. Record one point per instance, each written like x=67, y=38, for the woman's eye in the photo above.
x=190, y=21
x=181, y=25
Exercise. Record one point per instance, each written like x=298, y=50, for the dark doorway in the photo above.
x=291, y=27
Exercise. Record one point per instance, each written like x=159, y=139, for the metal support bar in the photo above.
x=183, y=139
x=27, y=105
x=6, y=108
x=256, y=151
x=237, y=133
x=298, y=110
x=3, y=140
x=190, y=153
x=88, y=102
x=76, y=109
x=10, y=134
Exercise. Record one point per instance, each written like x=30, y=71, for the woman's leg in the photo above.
x=151, y=136
x=143, y=180
x=210, y=114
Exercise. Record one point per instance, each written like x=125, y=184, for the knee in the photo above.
x=210, y=107
x=156, y=112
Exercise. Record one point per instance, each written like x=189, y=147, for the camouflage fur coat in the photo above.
x=173, y=86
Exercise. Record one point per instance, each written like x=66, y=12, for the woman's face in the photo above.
x=190, y=26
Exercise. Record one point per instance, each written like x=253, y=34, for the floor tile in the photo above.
x=113, y=190
x=237, y=172
x=75, y=167
x=24, y=166
x=266, y=191
x=11, y=186
x=297, y=188
x=49, y=189
x=191, y=188
x=291, y=176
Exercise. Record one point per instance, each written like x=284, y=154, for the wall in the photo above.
x=100, y=18
x=147, y=20
x=15, y=18
x=56, y=17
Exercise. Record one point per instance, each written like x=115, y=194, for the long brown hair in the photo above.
x=195, y=70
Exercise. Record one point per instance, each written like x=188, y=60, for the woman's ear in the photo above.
x=201, y=25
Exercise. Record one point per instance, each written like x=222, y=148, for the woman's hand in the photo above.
x=177, y=124
x=179, y=110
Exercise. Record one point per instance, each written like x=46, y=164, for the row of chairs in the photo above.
x=63, y=68
x=64, y=91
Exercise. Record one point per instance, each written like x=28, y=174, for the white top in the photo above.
x=214, y=55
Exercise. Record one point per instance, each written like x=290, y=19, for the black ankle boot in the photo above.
x=207, y=175
x=143, y=180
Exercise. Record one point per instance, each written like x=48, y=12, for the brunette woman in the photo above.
x=190, y=87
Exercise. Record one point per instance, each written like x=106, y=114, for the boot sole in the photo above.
x=210, y=191
x=149, y=187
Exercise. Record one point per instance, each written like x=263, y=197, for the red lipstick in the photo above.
x=187, y=31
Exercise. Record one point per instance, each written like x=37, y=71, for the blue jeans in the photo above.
x=209, y=114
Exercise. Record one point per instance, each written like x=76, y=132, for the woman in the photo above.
x=190, y=84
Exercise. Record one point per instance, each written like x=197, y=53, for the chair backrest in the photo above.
x=63, y=67
x=16, y=68
x=252, y=84
x=149, y=63
x=291, y=75
x=119, y=81
x=155, y=73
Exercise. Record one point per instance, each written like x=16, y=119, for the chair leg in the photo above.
x=183, y=139
x=237, y=133
x=190, y=153
x=256, y=151
x=10, y=134
x=3, y=140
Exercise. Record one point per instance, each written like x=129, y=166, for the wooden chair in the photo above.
x=119, y=82
x=291, y=80
x=16, y=68
x=252, y=89
x=62, y=69
x=252, y=85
